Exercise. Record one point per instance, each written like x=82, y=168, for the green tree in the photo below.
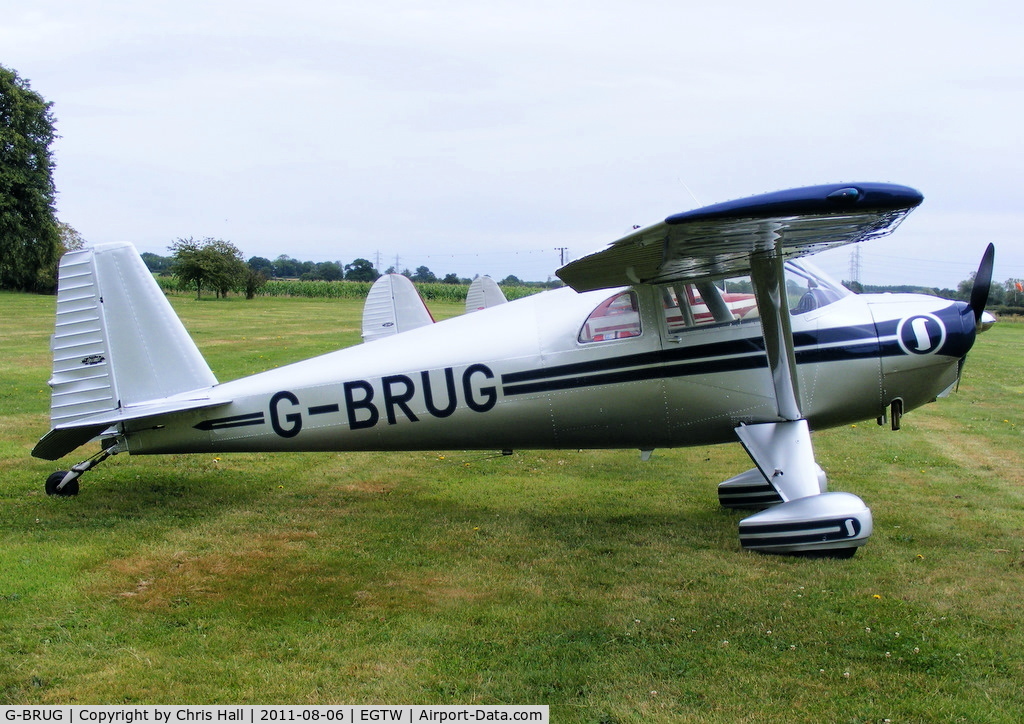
x=189, y=264
x=212, y=263
x=361, y=270
x=227, y=267
x=157, y=264
x=285, y=267
x=29, y=237
x=68, y=240
x=424, y=275
x=1014, y=291
x=330, y=271
x=963, y=289
x=261, y=264
x=255, y=279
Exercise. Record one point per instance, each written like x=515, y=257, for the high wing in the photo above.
x=721, y=240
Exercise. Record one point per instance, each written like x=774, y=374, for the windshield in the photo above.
x=727, y=301
x=809, y=288
x=690, y=305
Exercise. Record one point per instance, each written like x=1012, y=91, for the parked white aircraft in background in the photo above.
x=641, y=350
x=393, y=305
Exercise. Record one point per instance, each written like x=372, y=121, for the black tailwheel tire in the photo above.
x=54, y=480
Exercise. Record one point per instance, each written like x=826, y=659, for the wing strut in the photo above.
x=769, y=282
x=712, y=297
x=809, y=520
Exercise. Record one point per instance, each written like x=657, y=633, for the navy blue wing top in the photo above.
x=719, y=241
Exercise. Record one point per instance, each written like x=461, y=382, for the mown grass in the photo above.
x=609, y=588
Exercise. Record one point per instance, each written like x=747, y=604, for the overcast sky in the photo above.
x=479, y=137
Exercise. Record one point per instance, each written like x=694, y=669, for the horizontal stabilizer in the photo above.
x=393, y=306
x=58, y=443
x=65, y=438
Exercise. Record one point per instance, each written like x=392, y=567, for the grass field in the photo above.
x=611, y=589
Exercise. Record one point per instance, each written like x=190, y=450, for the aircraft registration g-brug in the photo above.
x=707, y=327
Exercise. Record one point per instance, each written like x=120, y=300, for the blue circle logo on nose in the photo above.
x=921, y=334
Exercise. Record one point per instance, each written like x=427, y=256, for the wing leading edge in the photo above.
x=720, y=240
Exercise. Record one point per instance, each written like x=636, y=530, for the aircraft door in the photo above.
x=715, y=375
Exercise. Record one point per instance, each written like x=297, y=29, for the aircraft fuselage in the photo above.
x=518, y=376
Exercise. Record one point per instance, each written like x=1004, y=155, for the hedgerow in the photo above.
x=432, y=292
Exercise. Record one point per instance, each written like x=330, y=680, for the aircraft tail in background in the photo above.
x=393, y=306
x=484, y=292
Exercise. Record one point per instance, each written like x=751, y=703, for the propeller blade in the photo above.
x=982, y=283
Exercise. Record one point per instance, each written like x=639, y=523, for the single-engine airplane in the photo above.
x=642, y=349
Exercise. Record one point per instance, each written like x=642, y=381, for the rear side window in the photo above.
x=617, y=317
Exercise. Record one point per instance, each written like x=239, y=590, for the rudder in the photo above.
x=117, y=342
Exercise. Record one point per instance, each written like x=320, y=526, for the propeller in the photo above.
x=982, y=283
x=979, y=298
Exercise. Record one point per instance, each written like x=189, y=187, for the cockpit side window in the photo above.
x=690, y=305
x=617, y=317
x=705, y=303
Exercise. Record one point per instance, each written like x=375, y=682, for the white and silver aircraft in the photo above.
x=642, y=349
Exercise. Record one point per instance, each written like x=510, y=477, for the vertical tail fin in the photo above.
x=484, y=292
x=117, y=342
x=393, y=306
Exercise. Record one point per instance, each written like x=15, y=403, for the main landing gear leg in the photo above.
x=808, y=521
x=65, y=482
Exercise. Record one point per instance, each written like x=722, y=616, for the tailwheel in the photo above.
x=65, y=482
x=54, y=487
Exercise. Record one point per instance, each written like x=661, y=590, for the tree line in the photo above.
x=1005, y=297
x=219, y=266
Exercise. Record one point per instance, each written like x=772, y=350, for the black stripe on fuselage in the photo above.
x=659, y=371
x=223, y=423
x=854, y=342
x=826, y=345
x=752, y=345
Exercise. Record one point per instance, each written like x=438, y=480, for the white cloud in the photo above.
x=334, y=130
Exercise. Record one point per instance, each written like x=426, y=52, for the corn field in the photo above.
x=431, y=292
